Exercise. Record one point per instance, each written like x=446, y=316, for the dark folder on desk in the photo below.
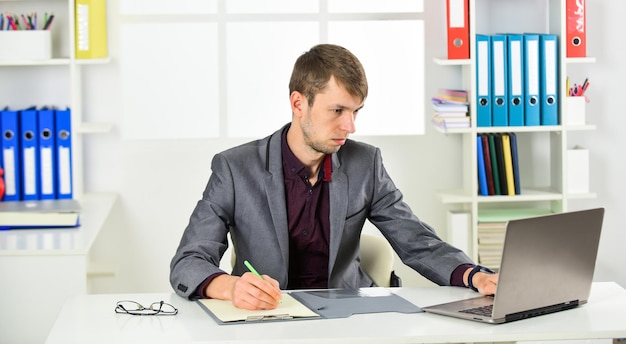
x=313, y=304
x=342, y=303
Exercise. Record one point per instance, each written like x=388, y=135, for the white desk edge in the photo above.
x=91, y=318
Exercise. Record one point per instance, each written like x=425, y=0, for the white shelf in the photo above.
x=459, y=196
x=490, y=17
x=524, y=129
x=50, y=62
x=580, y=60
x=447, y=62
x=61, y=61
x=580, y=127
x=92, y=61
x=95, y=128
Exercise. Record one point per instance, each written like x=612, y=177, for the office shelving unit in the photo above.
x=543, y=158
x=31, y=257
x=58, y=81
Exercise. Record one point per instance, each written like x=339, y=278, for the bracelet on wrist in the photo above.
x=477, y=268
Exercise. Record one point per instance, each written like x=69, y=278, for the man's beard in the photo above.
x=308, y=133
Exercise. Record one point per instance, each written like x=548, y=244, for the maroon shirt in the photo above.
x=308, y=214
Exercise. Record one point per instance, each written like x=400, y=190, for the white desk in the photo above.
x=91, y=319
x=41, y=268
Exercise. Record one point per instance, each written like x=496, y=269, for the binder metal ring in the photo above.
x=64, y=134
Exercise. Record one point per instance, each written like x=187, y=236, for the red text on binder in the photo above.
x=576, y=28
x=458, y=29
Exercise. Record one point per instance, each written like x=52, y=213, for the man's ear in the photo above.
x=298, y=102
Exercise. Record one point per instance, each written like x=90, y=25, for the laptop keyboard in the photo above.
x=483, y=311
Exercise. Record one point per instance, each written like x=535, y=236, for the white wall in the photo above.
x=159, y=182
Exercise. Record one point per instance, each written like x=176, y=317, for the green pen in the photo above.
x=252, y=269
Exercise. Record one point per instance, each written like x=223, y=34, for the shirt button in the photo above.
x=305, y=232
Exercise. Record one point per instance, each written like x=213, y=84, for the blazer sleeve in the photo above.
x=415, y=242
x=204, y=240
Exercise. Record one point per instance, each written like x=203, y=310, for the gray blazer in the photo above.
x=245, y=197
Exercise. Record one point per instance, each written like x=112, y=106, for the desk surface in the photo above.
x=61, y=241
x=91, y=319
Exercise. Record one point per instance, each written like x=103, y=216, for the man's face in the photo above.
x=327, y=124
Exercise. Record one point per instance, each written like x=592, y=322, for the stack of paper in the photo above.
x=451, y=109
x=490, y=243
x=492, y=230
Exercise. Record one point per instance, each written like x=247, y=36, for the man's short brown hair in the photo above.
x=313, y=70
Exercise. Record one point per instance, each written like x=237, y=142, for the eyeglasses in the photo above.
x=155, y=308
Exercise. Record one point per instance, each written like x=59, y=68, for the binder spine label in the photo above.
x=65, y=181
x=30, y=173
x=82, y=28
x=47, y=181
x=10, y=187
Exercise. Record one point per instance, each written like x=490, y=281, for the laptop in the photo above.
x=547, y=266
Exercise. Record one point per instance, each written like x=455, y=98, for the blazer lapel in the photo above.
x=275, y=191
x=338, y=209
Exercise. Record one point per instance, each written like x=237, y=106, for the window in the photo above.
x=203, y=69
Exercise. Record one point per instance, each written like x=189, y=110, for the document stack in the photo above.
x=36, y=154
x=491, y=231
x=450, y=109
x=490, y=243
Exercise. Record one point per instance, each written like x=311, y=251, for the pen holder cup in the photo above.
x=576, y=110
x=25, y=45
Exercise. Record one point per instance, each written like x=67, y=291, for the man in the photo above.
x=295, y=203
